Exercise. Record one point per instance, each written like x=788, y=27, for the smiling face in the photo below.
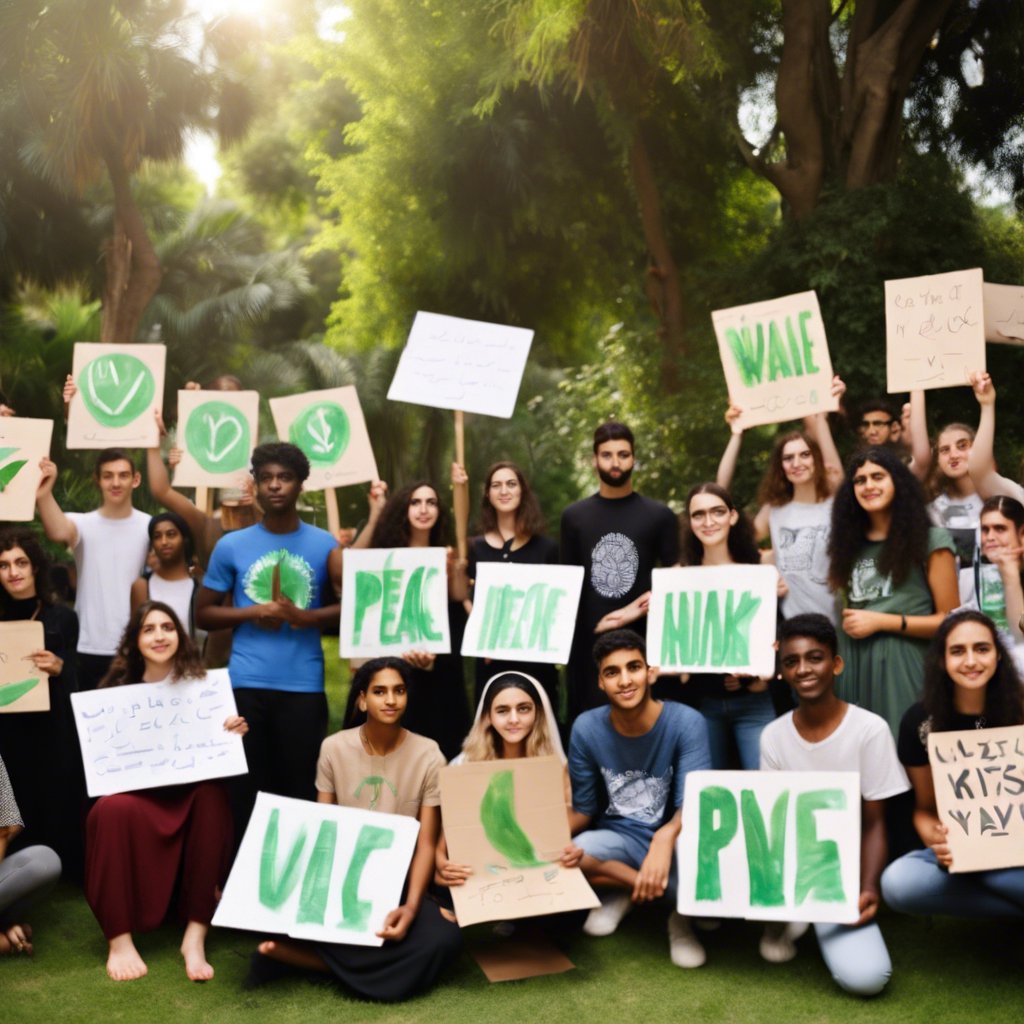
x=997, y=533
x=798, y=462
x=513, y=715
x=873, y=488
x=116, y=482
x=504, y=491
x=423, y=509
x=168, y=543
x=971, y=656
x=625, y=678
x=17, y=575
x=385, y=699
x=277, y=488
x=711, y=519
x=953, y=447
x=613, y=461
x=158, y=640
x=809, y=667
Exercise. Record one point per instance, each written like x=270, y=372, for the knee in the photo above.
x=895, y=887
x=46, y=864
x=863, y=979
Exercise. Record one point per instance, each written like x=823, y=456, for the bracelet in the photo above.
x=903, y=623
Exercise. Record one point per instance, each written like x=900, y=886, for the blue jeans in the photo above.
x=607, y=844
x=743, y=714
x=856, y=957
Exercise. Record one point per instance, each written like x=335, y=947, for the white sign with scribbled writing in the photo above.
x=1004, y=313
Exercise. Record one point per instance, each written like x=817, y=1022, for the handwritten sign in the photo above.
x=23, y=687
x=157, y=734
x=394, y=600
x=713, y=619
x=317, y=871
x=329, y=427
x=23, y=443
x=771, y=846
x=1004, y=313
x=934, y=330
x=450, y=363
x=525, y=612
x=507, y=820
x=119, y=386
x=217, y=432
x=979, y=792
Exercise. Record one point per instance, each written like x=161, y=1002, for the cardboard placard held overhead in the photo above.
x=23, y=444
x=329, y=427
x=524, y=612
x=718, y=618
x=217, y=431
x=507, y=821
x=771, y=846
x=319, y=872
x=470, y=365
x=980, y=795
x=934, y=330
x=1004, y=313
x=23, y=687
x=775, y=357
x=119, y=387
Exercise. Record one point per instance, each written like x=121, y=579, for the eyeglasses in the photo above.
x=718, y=513
x=867, y=424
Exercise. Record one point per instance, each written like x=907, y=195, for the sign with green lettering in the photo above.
x=23, y=687
x=523, y=612
x=394, y=600
x=317, y=871
x=24, y=443
x=771, y=846
x=775, y=358
x=217, y=431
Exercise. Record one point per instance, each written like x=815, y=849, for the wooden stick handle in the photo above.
x=333, y=515
x=461, y=491
x=204, y=500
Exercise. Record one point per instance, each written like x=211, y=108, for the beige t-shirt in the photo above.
x=399, y=783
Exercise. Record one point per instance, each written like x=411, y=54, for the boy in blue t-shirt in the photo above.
x=628, y=764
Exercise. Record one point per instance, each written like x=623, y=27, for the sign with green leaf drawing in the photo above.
x=771, y=846
x=23, y=687
x=119, y=387
x=217, y=431
x=23, y=443
x=318, y=871
x=329, y=427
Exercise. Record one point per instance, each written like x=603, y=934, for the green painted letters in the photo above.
x=368, y=592
x=765, y=856
x=714, y=800
x=355, y=913
x=818, y=870
x=702, y=632
x=274, y=890
x=771, y=356
x=317, y=879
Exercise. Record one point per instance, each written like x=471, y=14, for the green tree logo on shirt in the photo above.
x=297, y=578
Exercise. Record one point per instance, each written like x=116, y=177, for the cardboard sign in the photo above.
x=451, y=363
x=771, y=846
x=523, y=612
x=394, y=600
x=317, y=871
x=217, y=431
x=23, y=443
x=775, y=358
x=119, y=386
x=934, y=330
x=718, y=618
x=1004, y=313
x=979, y=793
x=23, y=687
x=507, y=820
x=157, y=734
x=329, y=427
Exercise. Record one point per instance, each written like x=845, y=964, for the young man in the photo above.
x=282, y=577
x=618, y=537
x=822, y=734
x=879, y=423
x=110, y=545
x=628, y=764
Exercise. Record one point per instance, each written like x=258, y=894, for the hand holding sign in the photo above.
x=23, y=681
x=23, y=444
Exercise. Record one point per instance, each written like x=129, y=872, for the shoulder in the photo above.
x=778, y=729
x=867, y=724
x=680, y=717
x=592, y=724
x=939, y=539
x=577, y=510
x=340, y=742
x=58, y=615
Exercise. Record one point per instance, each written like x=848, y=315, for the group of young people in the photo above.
x=890, y=626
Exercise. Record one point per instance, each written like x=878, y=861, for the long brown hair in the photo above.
x=775, y=489
x=128, y=665
x=483, y=742
x=529, y=519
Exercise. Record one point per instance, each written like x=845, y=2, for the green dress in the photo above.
x=884, y=671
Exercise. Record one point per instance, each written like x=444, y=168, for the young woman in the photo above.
x=997, y=575
x=139, y=845
x=420, y=938
x=970, y=682
x=898, y=576
x=172, y=580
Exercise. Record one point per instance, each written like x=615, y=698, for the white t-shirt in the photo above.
x=861, y=743
x=110, y=555
x=800, y=534
x=961, y=516
x=176, y=593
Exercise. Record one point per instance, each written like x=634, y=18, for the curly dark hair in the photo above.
x=128, y=665
x=393, y=529
x=742, y=545
x=21, y=537
x=281, y=453
x=906, y=544
x=529, y=520
x=775, y=489
x=1004, y=697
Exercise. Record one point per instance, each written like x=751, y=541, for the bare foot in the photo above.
x=124, y=962
x=193, y=949
x=19, y=938
x=292, y=954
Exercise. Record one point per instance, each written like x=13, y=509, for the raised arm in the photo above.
x=421, y=871
x=920, y=446
x=727, y=464
x=817, y=427
x=377, y=499
x=56, y=524
x=160, y=487
x=981, y=463
x=874, y=850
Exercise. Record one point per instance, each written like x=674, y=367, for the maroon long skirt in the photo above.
x=138, y=845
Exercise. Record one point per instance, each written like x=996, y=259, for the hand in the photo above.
x=459, y=475
x=192, y=385
x=450, y=873
x=236, y=724
x=571, y=856
x=652, y=878
x=420, y=659
x=984, y=389
x=345, y=537
x=732, y=417
x=271, y=614
x=174, y=457
x=782, y=587
x=868, y=907
x=838, y=387
x=905, y=419
x=861, y=624
x=1008, y=559
x=378, y=497
x=732, y=683
x=49, y=469
x=622, y=617
x=940, y=846
x=6, y=410
x=397, y=923
x=46, y=661
x=20, y=938
x=248, y=495
x=70, y=389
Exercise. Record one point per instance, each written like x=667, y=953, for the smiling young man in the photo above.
x=628, y=764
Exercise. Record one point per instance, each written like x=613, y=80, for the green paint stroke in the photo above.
x=818, y=868
x=762, y=356
x=355, y=913
x=117, y=389
x=519, y=620
x=404, y=606
x=376, y=784
x=10, y=692
x=274, y=889
x=710, y=628
x=713, y=838
x=10, y=471
x=503, y=831
x=217, y=437
x=297, y=577
x=323, y=432
x=317, y=880
x=765, y=856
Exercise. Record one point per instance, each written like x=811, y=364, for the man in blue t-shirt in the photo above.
x=628, y=764
x=275, y=585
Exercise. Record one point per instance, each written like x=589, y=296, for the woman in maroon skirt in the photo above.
x=138, y=845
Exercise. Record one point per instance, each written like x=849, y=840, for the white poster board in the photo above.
x=1004, y=313
x=523, y=612
x=119, y=387
x=771, y=846
x=394, y=600
x=23, y=687
x=157, y=734
x=714, y=618
x=934, y=330
x=23, y=444
x=451, y=363
x=776, y=360
x=317, y=871
x=217, y=431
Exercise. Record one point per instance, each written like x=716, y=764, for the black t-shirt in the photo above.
x=915, y=726
x=537, y=550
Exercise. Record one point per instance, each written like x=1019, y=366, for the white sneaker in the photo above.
x=684, y=948
x=603, y=920
x=778, y=943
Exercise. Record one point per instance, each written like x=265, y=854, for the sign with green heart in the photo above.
x=23, y=443
x=216, y=433
x=23, y=687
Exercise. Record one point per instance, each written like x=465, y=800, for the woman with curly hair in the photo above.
x=897, y=574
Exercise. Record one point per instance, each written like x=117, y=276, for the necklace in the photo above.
x=367, y=743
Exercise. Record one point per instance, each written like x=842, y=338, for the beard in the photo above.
x=615, y=481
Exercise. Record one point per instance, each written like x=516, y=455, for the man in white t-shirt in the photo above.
x=826, y=734
x=110, y=545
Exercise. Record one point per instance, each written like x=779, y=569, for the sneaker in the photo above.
x=603, y=920
x=684, y=948
x=778, y=944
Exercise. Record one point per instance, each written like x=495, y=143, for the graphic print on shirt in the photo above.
x=297, y=578
x=375, y=782
x=614, y=564
x=637, y=795
x=867, y=583
x=803, y=548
